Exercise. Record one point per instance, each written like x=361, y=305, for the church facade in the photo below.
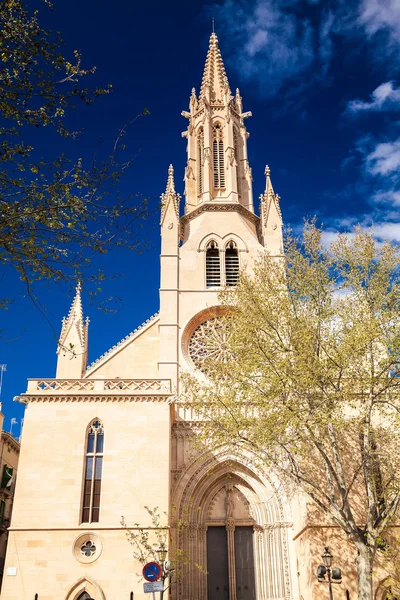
x=89, y=431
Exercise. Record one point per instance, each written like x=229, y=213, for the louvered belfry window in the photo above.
x=93, y=472
x=213, y=266
x=231, y=264
x=218, y=157
x=200, y=160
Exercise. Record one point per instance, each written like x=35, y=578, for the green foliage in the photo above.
x=162, y=532
x=147, y=540
x=310, y=381
x=56, y=214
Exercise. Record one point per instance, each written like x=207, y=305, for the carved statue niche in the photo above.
x=229, y=503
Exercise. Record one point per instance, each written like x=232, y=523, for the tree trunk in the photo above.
x=364, y=572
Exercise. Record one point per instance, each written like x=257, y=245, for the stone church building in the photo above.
x=109, y=439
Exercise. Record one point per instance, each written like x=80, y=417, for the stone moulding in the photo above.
x=27, y=398
x=220, y=206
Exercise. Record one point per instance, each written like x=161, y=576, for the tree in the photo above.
x=310, y=380
x=55, y=213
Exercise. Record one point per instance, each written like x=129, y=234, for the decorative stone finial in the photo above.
x=267, y=171
x=170, y=180
x=170, y=195
x=213, y=39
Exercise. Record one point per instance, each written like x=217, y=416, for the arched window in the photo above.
x=93, y=470
x=231, y=264
x=218, y=157
x=213, y=267
x=200, y=160
x=237, y=158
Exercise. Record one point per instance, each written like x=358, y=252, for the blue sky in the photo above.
x=322, y=81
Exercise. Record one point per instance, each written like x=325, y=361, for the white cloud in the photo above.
x=391, y=197
x=270, y=44
x=384, y=159
x=384, y=97
x=387, y=231
x=381, y=16
x=291, y=42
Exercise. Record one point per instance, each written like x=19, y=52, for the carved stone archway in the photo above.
x=221, y=491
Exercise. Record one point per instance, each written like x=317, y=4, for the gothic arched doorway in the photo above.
x=236, y=533
x=85, y=589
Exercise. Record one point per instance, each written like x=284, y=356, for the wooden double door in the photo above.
x=230, y=563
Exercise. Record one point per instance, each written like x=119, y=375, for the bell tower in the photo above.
x=219, y=233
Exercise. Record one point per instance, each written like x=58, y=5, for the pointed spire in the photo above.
x=170, y=195
x=75, y=314
x=268, y=198
x=271, y=216
x=73, y=340
x=214, y=77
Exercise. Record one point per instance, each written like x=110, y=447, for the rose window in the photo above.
x=88, y=549
x=209, y=343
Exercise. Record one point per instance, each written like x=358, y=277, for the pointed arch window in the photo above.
x=237, y=159
x=213, y=265
x=93, y=472
x=218, y=157
x=231, y=264
x=200, y=160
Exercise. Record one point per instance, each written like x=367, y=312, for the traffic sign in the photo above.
x=152, y=571
x=153, y=586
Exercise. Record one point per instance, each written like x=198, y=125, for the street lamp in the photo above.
x=334, y=575
x=162, y=553
x=166, y=565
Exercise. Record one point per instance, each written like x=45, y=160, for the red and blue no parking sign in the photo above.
x=152, y=571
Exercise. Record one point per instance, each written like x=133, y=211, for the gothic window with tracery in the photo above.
x=237, y=159
x=200, y=160
x=231, y=264
x=93, y=471
x=213, y=265
x=218, y=157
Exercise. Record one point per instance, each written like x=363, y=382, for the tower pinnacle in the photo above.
x=170, y=196
x=271, y=217
x=72, y=345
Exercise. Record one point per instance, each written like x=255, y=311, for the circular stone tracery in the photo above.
x=88, y=548
x=209, y=342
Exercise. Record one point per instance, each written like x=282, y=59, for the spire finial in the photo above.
x=213, y=25
x=267, y=171
x=170, y=180
x=170, y=194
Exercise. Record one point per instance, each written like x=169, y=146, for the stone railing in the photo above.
x=99, y=386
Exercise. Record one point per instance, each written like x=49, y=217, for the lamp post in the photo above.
x=334, y=575
x=166, y=565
